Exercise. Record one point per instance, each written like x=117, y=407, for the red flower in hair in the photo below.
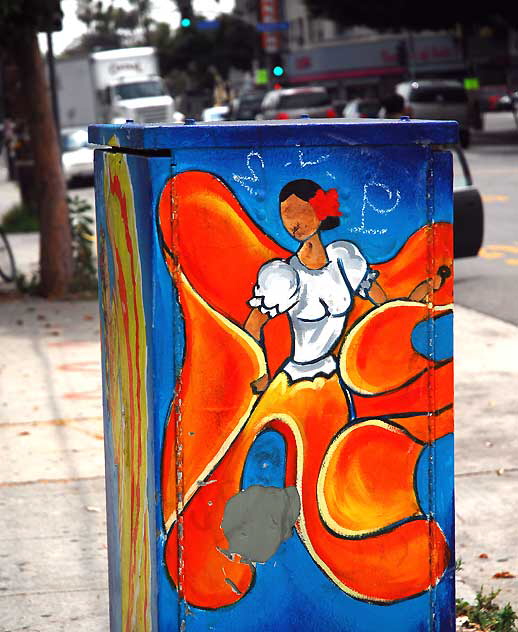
x=325, y=204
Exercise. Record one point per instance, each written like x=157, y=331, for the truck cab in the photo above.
x=142, y=100
x=128, y=86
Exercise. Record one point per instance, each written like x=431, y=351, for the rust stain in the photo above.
x=58, y=422
x=50, y=422
x=92, y=366
x=83, y=395
x=48, y=481
x=95, y=435
x=73, y=343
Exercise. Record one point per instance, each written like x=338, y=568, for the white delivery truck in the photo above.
x=112, y=86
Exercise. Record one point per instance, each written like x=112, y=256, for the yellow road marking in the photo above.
x=483, y=252
x=502, y=248
x=495, y=198
x=499, y=251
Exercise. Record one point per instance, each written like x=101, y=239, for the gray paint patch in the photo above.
x=258, y=519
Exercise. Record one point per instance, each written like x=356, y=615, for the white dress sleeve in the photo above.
x=354, y=265
x=277, y=288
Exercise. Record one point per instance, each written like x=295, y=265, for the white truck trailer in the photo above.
x=112, y=86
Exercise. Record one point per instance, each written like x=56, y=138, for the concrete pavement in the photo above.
x=53, y=571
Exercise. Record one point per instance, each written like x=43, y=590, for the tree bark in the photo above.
x=56, y=264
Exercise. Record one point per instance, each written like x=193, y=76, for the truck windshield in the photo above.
x=139, y=89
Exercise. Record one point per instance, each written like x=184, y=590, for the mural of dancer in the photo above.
x=319, y=346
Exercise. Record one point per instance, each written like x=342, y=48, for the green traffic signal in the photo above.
x=185, y=23
x=278, y=71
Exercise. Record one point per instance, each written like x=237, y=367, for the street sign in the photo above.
x=207, y=25
x=269, y=27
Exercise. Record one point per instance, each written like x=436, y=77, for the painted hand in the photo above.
x=259, y=386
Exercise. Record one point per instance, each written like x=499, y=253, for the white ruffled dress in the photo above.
x=317, y=303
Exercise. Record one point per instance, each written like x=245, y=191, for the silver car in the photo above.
x=438, y=99
x=292, y=103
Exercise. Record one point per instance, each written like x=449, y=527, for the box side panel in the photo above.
x=441, y=451
x=307, y=503
x=124, y=203
x=112, y=515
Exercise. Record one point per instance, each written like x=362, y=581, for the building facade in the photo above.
x=358, y=61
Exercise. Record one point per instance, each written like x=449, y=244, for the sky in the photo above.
x=163, y=10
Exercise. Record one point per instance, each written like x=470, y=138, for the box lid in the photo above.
x=300, y=132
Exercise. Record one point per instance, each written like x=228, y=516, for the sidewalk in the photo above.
x=53, y=575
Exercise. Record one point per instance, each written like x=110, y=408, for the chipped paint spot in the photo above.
x=256, y=521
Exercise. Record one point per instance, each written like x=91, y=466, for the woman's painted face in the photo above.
x=299, y=218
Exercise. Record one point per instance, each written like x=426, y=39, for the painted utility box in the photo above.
x=276, y=304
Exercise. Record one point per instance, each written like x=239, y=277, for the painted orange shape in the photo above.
x=374, y=463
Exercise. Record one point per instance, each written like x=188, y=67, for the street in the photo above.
x=487, y=283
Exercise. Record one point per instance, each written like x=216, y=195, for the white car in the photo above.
x=216, y=113
x=77, y=154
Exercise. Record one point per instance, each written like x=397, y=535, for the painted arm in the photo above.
x=420, y=292
x=254, y=326
x=255, y=322
x=377, y=294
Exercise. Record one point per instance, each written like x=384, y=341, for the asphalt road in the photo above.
x=488, y=283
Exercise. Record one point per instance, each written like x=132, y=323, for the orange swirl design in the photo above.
x=360, y=519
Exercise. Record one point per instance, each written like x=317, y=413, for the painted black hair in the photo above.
x=305, y=190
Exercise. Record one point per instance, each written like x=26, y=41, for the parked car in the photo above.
x=367, y=107
x=290, y=103
x=216, y=113
x=77, y=154
x=468, y=209
x=494, y=98
x=441, y=99
x=247, y=105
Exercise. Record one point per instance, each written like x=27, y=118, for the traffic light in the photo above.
x=277, y=66
x=186, y=13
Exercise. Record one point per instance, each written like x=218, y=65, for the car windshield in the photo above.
x=304, y=100
x=139, y=89
x=70, y=141
x=439, y=94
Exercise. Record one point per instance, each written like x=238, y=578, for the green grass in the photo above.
x=487, y=614
x=19, y=219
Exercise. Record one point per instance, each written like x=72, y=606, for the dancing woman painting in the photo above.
x=325, y=358
x=316, y=286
